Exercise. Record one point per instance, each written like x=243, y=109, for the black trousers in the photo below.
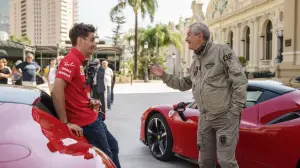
x=100, y=97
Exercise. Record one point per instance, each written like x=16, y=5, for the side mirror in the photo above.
x=180, y=108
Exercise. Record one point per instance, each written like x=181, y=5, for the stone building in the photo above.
x=252, y=28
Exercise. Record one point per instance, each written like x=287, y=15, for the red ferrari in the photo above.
x=269, y=129
x=32, y=136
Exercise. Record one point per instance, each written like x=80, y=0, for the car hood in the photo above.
x=34, y=138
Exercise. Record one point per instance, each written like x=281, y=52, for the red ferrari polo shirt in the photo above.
x=71, y=70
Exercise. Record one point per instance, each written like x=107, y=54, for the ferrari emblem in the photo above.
x=158, y=137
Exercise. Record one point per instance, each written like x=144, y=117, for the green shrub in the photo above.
x=242, y=60
x=263, y=74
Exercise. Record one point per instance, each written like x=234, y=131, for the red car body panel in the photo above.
x=259, y=146
x=34, y=138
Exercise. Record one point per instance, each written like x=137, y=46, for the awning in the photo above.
x=3, y=53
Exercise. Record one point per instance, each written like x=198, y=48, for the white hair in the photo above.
x=199, y=27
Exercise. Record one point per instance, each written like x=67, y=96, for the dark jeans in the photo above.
x=108, y=91
x=98, y=135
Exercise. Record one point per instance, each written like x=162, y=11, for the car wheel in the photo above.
x=159, y=138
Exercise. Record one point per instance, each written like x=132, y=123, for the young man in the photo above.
x=73, y=106
x=219, y=86
x=5, y=73
x=29, y=70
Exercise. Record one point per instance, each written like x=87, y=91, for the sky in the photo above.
x=96, y=12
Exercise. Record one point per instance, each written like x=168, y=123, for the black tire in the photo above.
x=161, y=150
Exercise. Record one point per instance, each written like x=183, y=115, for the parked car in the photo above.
x=32, y=136
x=269, y=128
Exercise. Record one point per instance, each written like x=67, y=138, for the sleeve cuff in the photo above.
x=165, y=76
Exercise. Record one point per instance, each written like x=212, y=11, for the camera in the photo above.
x=90, y=72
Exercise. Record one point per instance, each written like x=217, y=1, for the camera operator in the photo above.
x=97, y=84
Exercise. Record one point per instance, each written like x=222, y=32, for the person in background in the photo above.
x=50, y=73
x=16, y=75
x=5, y=64
x=108, y=81
x=5, y=73
x=113, y=81
x=99, y=87
x=29, y=70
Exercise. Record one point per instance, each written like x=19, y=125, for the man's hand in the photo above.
x=156, y=70
x=78, y=130
x=95, y=105
x=1, y=75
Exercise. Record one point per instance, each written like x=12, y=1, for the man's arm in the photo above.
x=58, y=95
x=16, y=69
x=236, y=76
x=182, y=84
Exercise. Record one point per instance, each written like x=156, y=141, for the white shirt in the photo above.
x=108, y=76
x=52, y=74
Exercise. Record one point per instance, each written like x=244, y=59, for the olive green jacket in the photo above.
x=217, y=80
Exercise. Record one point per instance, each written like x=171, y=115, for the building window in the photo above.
x=230, y=39
x=247, y=44
x=269, y=35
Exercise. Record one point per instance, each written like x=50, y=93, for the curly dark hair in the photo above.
x=80, y=30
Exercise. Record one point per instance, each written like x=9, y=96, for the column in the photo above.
x=237, y=42
x=274, y=47
x=223, y=36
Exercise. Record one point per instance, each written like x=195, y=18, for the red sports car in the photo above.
x=32, y=136
x=269, y=129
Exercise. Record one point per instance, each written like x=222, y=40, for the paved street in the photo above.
x=124, y=122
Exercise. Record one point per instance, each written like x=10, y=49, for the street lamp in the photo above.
x=146, y=79
x=174, y=57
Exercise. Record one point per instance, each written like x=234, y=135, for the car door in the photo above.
x=258, y=141
x=185, y=143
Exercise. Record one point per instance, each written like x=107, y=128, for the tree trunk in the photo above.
x=136, y=46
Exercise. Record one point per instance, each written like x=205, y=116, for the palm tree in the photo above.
x=139, y=7
x=165, y=37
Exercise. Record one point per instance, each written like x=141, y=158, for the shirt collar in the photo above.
x=78, y=54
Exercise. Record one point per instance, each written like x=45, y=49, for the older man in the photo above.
x=219, y=87
x=29, y=70
x=109, y=74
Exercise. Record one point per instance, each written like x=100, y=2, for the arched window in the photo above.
x=269, y=36
x=231, y=39
x=247, y=47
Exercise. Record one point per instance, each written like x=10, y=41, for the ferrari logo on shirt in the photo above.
x=81, y=70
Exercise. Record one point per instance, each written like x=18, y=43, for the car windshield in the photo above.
x=21, y=95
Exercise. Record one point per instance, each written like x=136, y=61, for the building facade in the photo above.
x=4, y=16
x=252, y=28
x=44, y=22
x=178, y=61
